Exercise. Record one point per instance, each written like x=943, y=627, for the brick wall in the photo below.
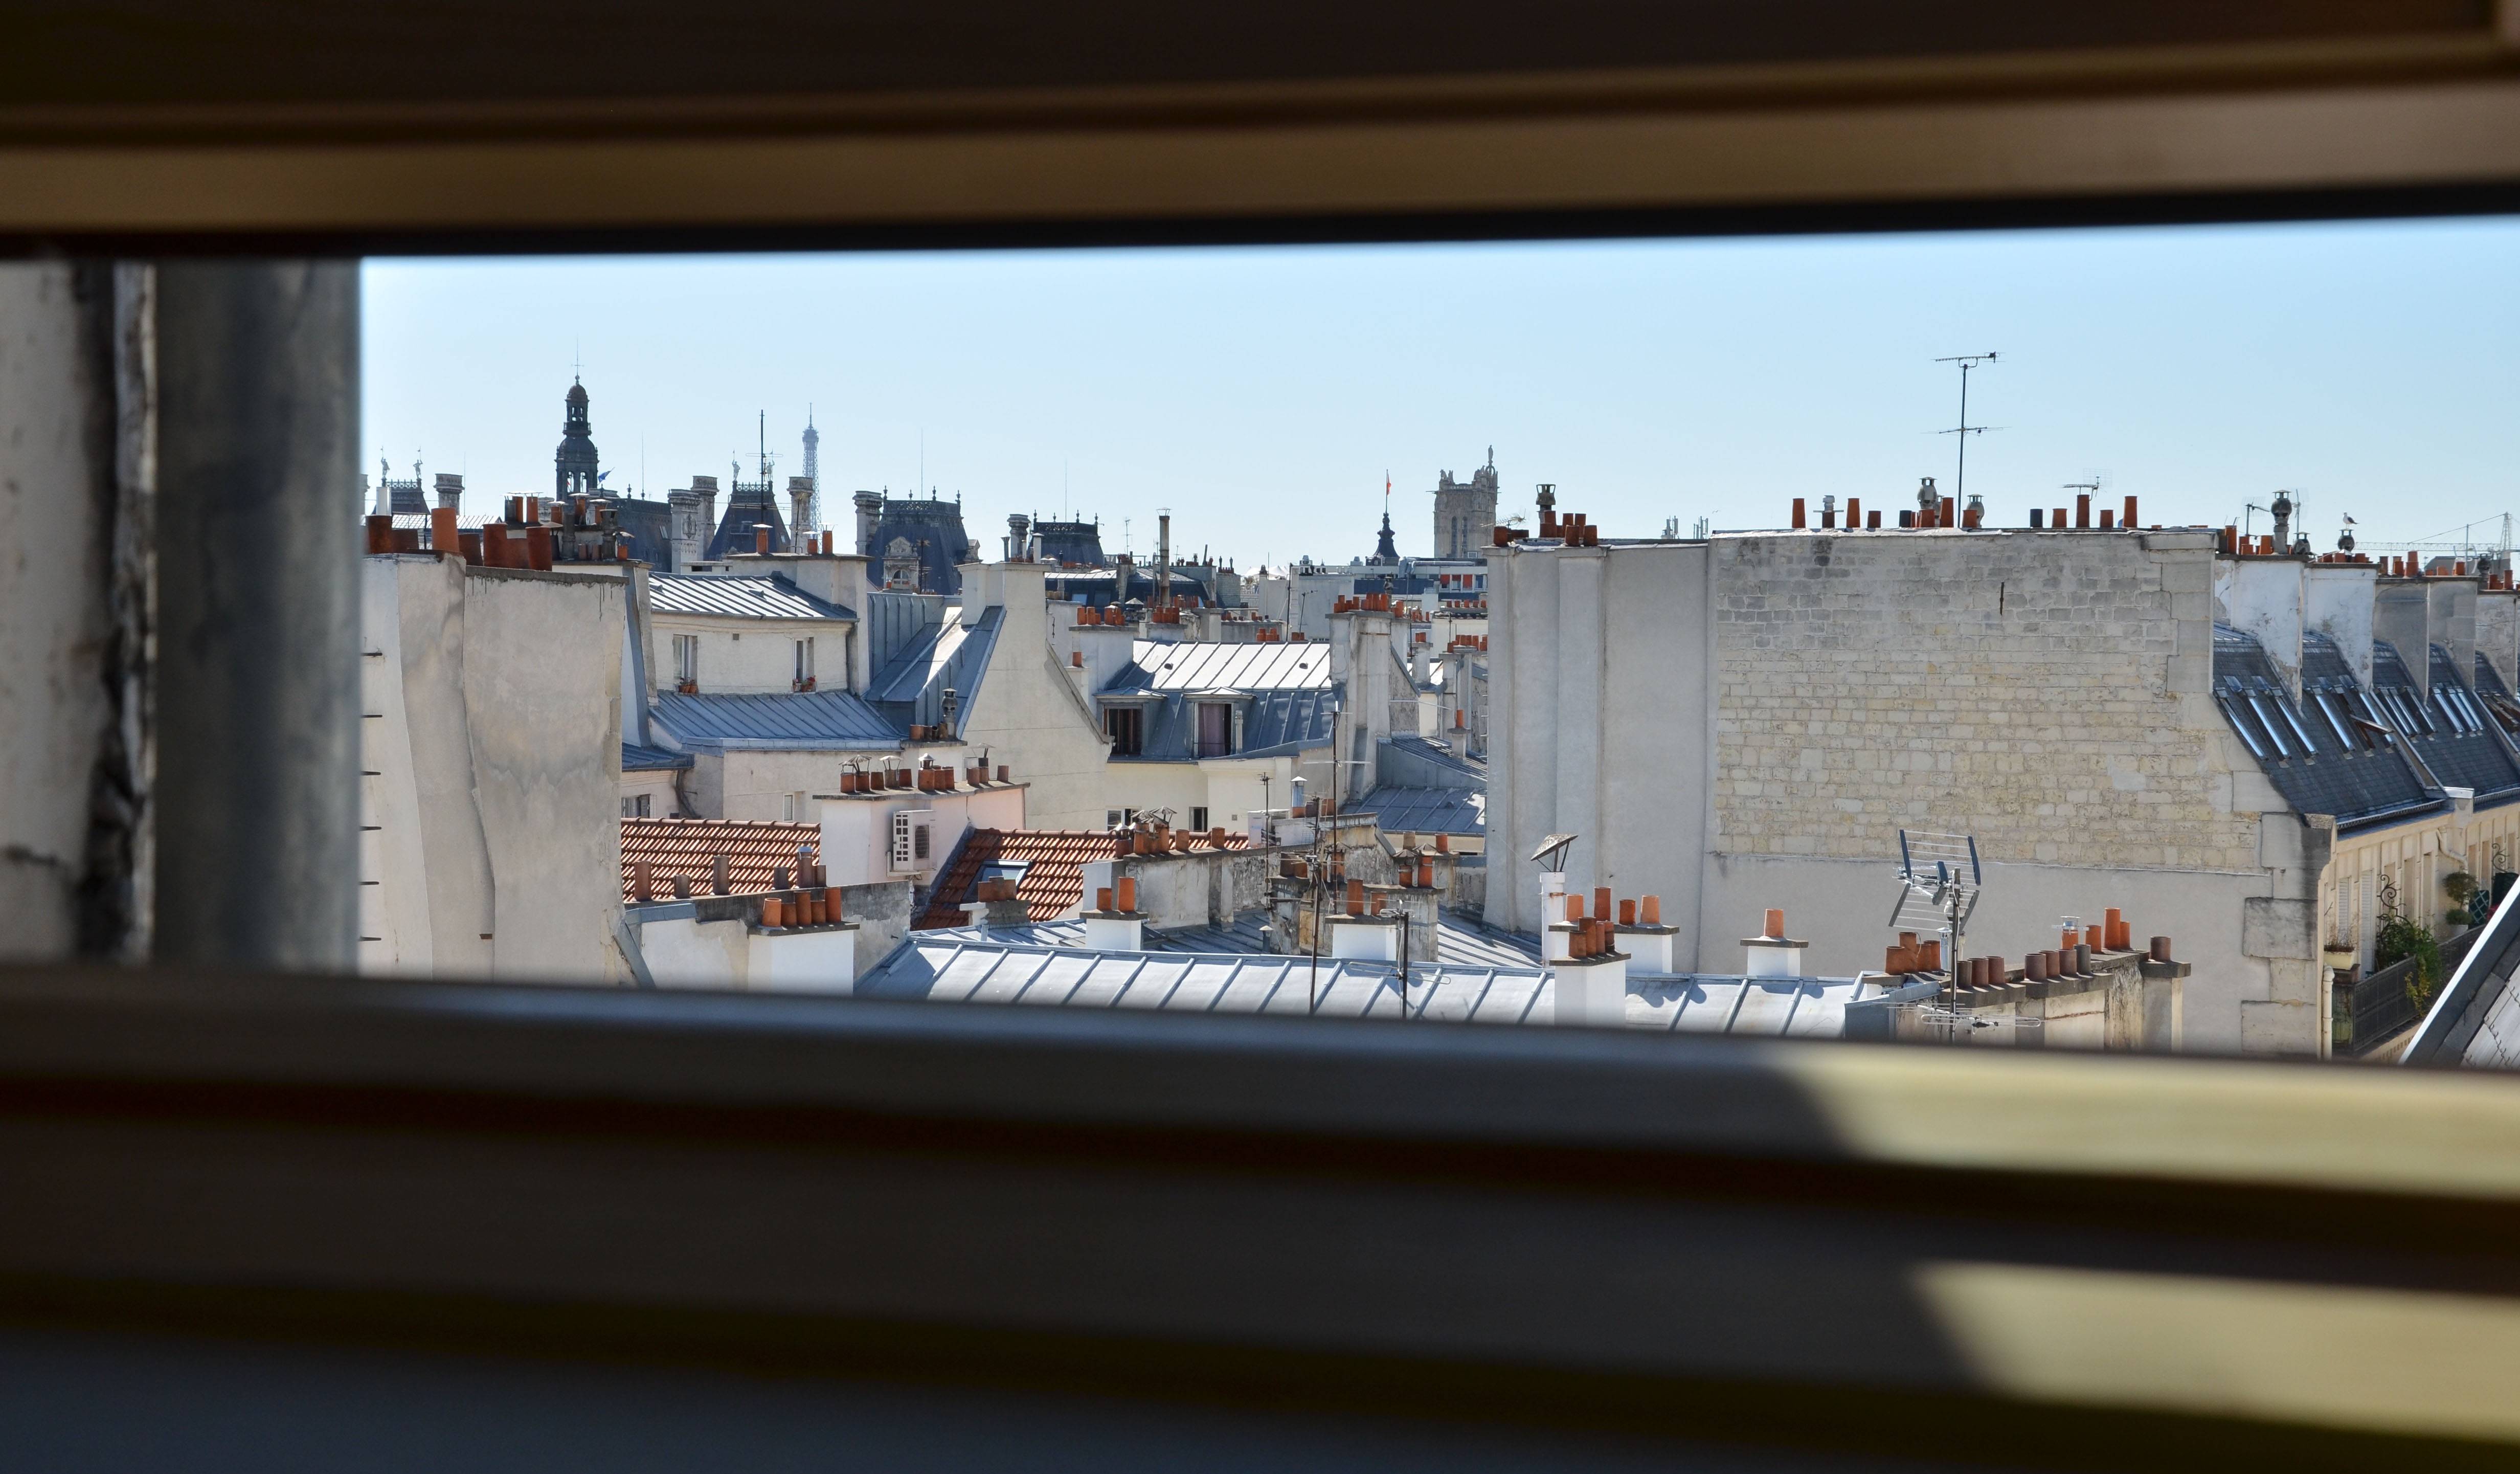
x=2047, y=692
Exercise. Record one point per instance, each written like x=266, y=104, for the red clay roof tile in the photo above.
x=755, y=849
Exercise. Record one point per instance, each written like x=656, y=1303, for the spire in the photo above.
x=1383, y=551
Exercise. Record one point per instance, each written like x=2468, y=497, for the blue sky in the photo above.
x=1262, y=394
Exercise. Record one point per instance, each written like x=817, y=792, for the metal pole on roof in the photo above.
x=257, y=807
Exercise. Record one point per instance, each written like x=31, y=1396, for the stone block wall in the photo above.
x=2044, y=691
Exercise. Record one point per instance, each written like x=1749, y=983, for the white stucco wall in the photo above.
x=496, y=757
x=1028, y=713
x=2266, y=597
x=857, y=829
x=2337, y=603
x=740, y=657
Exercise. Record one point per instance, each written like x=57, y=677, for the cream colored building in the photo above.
x=1751, y=720
x=490, y=838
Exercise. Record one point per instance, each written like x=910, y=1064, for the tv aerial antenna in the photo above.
x=1966, y=361
x=1939, y=882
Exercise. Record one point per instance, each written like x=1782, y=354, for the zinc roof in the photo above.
x=748, y=598
x=808, y=720
x=1426, y=810
x=1459, y=940
x=1215, y=665
x=636, y=759
x=965, y=967
x=755, y=849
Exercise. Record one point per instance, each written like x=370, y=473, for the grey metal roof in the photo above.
x=1275, y=724
x=911, y=687
x=745, y=598
x=1409, y=760
x=2465, y=747
x=636, y=759
x=807, y=720
x=1213, y=665
x=1426, y=810
x=2312, y=750
x=2475, y=1019
x=958, y=967
x=1460, y=941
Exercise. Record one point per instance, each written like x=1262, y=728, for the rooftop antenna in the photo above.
x=1939, y=884
x=1966, y=361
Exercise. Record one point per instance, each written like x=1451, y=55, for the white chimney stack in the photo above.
x=1364, y=938
x=1553, y=915
x=1114, y=924
x=1772, y=955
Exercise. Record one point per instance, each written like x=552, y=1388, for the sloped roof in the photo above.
x=639, y=759
x=1053, y=884
x=1461, y=941
x=1275, y=723
x=1410, y=761
x=755, y=849
x=1054, y=878
x=911, y=687
x=965, y=967
x=2475, y=1019
x=749, y=598
x=2312, y=751
x=803, y=720
x=1426, y=810
x=1215, y=665
x=2464, y=750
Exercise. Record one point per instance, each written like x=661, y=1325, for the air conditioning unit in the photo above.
x=914, y=840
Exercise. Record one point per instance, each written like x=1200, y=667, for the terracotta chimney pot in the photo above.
x=773, y=914
x=1776, y=923
x=1652, y=910
x=1128, y=892
x=1102, y=897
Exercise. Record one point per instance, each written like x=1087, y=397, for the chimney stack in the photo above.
x=1117, y=925
x=801, y=511
x=450, y=491
x=1163, y=596
x=1771, y=953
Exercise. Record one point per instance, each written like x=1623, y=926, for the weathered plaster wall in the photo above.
x=54, y=617
x=2498, y=634
x=1601, y=725
x=2266, y=597
x=2338, y=605
x=495, y=771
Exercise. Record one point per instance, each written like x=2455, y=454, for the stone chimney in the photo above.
x=1163, y=594
x=704, y=488
x=870, y=509
x=1019, y=537
x=685, y=540
x=801, y=511
x=450, y=491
